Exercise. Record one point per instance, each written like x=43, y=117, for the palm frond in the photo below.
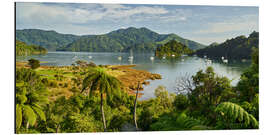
x=18, y=116
x=235, y=112
x=29, y=115
x=39, y=112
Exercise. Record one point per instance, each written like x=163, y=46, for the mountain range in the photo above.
x=121, y=40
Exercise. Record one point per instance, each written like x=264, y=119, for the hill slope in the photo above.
x=235, y=48
x=23, y=49
x=47, y=39
x=121, y=40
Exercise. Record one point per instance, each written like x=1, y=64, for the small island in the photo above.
x=172, y=49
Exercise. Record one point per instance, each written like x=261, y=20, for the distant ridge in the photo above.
x=121, y=40
x=236, y=48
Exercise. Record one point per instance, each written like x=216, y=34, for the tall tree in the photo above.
x=99, y=80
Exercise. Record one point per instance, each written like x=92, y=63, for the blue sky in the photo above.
x=204, y=24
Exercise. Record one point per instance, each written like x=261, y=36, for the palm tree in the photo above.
x=99, y=80
x=31, y=94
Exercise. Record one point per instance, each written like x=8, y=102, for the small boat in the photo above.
x=75, y=57
x=130, y=58
x=222, y=58
x=90, y=57
x=225, y=61
x=209, y=61
x=119, y=58
x=163, y=57
x=152, y=58
x=173, y=55
x=205, y=56
x=243, y=60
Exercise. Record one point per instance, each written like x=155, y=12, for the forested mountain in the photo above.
x=172, y=49
x=235, y=48
x=122, y=40
x=23, y=49
x=47, y=39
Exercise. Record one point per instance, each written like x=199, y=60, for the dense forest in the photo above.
x=121, y=40
x=22, y=49
x=96, y=102
x=47, y=39
x=172, y=49
x=236, y=48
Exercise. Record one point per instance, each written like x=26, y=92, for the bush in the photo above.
x=181, y=102
x=34, y=64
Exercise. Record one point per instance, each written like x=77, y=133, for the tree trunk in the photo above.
x=102, y=112
x=57, y=128
x=27, y=125
x=135, y=103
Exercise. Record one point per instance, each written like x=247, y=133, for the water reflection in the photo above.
x=170, y=69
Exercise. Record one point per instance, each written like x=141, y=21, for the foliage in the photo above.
x=31, y=96
x=248, y=86
x=209, y=91
x=234, y=116
x=34, y=64
x=99, y=80
x=148, y=109
x=22, y=49
x=236, y=48
x=172, y=48
x=181, y=102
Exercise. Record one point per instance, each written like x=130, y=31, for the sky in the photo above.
x=203, y=24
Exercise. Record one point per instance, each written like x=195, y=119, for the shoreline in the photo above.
x=128, y=76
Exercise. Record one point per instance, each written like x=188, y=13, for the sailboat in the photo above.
x=130, y=58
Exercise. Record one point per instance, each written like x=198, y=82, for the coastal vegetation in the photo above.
x=22, y=49
x=86, y=97
x=236, y=48
x=121, y=40
x=172, y=49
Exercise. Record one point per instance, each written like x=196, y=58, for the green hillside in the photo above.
x=122, y=40
x=23, y=49
x=47, y=39
x=235, y=48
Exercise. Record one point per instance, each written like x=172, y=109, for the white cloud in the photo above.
x=243, y=23
x=35, y=12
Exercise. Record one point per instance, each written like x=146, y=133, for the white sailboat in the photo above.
x=225, y=61
x=119, y=58
x=130, y=58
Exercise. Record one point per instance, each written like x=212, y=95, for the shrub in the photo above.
x=34, y=64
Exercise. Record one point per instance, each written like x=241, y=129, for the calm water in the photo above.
x=169, y=69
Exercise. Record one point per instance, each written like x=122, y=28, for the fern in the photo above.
x=18, y=116
x=39, y=112
x=29, y=114
x=186, y=122
x=232, y=113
